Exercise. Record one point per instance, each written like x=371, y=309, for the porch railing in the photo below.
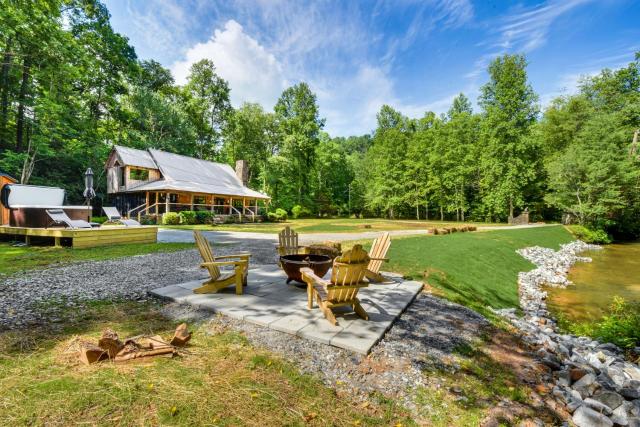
x=223, y=210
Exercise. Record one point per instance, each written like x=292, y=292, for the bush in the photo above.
x=171, y=218
x=148, y=220
x=187, y=217
x=229, y=219
x=590, y=236
x=99, y=219
x=621, y=325
x=301, y=212
x=272, y=217
x=204, y=217
x=281, y=214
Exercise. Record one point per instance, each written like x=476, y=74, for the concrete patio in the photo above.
x=270, y=302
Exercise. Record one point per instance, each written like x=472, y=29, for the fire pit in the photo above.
x=291, y=264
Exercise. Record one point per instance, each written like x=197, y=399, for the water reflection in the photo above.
x=615, y=270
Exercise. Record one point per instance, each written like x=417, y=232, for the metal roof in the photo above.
x=134, y=157
x=182, y=173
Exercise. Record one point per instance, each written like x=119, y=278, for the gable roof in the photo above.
x=183, y=173
x=135, y=157
x=2, y=173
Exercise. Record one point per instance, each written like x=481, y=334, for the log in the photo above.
x=110, y=343
x=168, y=351
x=91, y=353
x=182, y=336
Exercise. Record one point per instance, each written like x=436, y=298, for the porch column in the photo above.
x=166, y=203
x=156, y=203
x=191, y=201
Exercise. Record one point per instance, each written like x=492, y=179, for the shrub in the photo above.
x=281, y=214
x=301, y=212
x=148, y=220
x=590, y=236
x=272, y=217
x=229, y=219
x=171, y=218
x=187, y=217
x=99, y=219
x=204, y=217
x=621, y=325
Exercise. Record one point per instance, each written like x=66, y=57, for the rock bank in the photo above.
x=598, y=386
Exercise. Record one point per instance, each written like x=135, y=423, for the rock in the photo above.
x=573, y=405
x=630, y=392
x=586, y=385
x=597, y=406
x=609, y=398
x=617, y=375
x=606, y=382
x=610, y=347
x=587, y=417
x=633, y=422
x=552, y=362
x=577, y=373
x=622, y=414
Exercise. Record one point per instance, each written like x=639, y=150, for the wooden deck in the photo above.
x=87, y=238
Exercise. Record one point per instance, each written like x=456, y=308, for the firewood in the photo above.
x=90, y=353
x=110, y=343
x=156, y=342
x=168, y=352
x=182, y=336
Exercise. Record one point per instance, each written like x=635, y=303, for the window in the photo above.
x=199, y=200
x=120, y=176
x=139, y=174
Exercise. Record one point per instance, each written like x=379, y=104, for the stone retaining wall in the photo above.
x=593, y=379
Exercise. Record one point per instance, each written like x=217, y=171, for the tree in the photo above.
x=300, y=124
x=206, y=101
x=508, y=157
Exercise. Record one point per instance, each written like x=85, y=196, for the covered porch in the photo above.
x=161, y=202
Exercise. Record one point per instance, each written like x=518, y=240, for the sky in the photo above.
x=415, y=55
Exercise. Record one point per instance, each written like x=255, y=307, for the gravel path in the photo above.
x=33, y=297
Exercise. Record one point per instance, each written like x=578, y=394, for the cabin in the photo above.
x=154, y=182
x=4, y=211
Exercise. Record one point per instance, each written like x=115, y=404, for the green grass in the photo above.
x=328, y=225
x=477, y=269
x=221, y=380
x=20, y=258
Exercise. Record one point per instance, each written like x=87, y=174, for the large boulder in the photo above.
x=587, y=417
x=609, y=398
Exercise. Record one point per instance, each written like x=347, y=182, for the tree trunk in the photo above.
x=21, y=107
x=4, y=94
x=441, y=213
x=426, y=210
x=510, y=207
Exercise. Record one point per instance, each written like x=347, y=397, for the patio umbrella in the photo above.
x=88, y=193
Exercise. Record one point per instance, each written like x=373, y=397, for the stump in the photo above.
x=110, y=343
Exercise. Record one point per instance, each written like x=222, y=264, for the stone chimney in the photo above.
x=242, y=171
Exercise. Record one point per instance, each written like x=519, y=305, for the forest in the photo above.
x=71, y=87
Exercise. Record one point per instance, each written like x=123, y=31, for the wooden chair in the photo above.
x=220, y=279
x=288, y=242
x=347, y=277
x=378, y=254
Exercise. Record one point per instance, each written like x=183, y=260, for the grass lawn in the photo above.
x=474, y=269
x=221, y=380
x=19, y=258
x=328, y=225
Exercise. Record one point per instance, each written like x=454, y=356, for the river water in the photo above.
x=615, y=270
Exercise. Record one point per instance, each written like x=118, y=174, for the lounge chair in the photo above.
x=114, y=216
x=347, y=277
x=288, y=242
x=220, y=280
x=59, y=217
x=378, y=254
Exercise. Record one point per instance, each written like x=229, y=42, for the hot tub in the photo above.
x=28, y=204
x=35, y=216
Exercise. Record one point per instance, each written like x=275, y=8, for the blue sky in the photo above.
x=358, y=55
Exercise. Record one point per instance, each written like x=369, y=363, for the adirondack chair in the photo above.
x=288, y=242
x=219, y=279
x=378, y=254
x=347, y=277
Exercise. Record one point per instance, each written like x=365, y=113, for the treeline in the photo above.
x=71, y=87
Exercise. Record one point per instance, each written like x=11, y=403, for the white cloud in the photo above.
x=253, y=73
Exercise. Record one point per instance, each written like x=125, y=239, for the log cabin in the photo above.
x=153, y=182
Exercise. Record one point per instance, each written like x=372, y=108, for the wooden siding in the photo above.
x=113, y=173
x=4, y=212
